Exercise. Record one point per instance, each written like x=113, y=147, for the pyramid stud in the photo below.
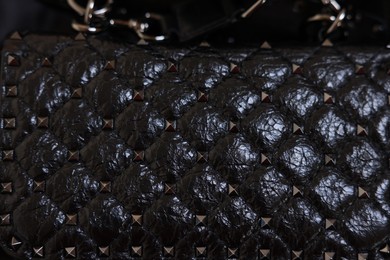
x=105, y=186
x=232, y=252
x=330, y=223
x=170, y=126
x=139, y=156
x=8, y=155
x=385, y=249
x=297, y=192
x=296, y=69
x=202, y=97
x=296, y=255
x=265, y=253
x=362, y=193
x=38, y=251
x=12, y=91
x=136, y=220
x=6, y=187
x=104, y=251
x=234, y=69
x=329, y=255
x=328, y=98
x=297, y=130
x=142, y=42
x=169, y=189
x=71, y=219
x=204, y=44
x=200, y=251
x=13, y=61
x=70, y=252
x=43, y=122
x=200, y=220
x=233, y=189
x=136, y=251
x=15, y=36
x=265, y=98
x=139, y=95
x=79, y=37
x=362, y=256
x=10, y=123
x=15, y=243
x=329, y=160
x=233, y=128
x=202, y=157
x=5, y=220
x=169, y=251
x=110, y=65
x=73, y=155
x=46, y=62
x=327, y=43
x=77, y=93
x=172, y=67
x=359, y=70
x=361, y=131
x=265, y=222
x=39, y=186
x=265, y=45
x=265, y=160
x=108, y=124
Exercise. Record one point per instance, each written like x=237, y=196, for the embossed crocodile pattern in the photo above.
x=140, y=151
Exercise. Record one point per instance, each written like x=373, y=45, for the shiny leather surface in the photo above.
x=193, y=152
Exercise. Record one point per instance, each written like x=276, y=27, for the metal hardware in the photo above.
x=251, y=9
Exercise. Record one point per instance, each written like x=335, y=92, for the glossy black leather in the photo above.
x=284, y=149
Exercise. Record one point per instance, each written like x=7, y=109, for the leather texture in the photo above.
x=142, y=151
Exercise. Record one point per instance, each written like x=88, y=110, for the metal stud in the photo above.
x=202, y=97
x=142, y=42
x=39, y=186
x=6, y=187
x=5, y=220
x=234, y=69
x=200, y=220
x=265, y=222
x=327, y=43
x=46, y=62
x=105, y=186
x=328, y=98
x=330, y=223
x=43, y=122
x=136, y=251
x=200, y=251
x=79, y=37
x=38, y=251
x=170, y=126
x=362, y=193
x=359, y=70
x=361, y=131
x=108, y=124
x=265, y=160
x=136, y=220
x=232, y=189
x=297, y=130
x=73, y=155
x=265, y=45
x=329, y=160
x=13, y=61
x=15, y=36
x=202, y=157
x=169, y=189
x=10, y=123
x=385, y=249
x=204, y=44
x=139, y=156
x=233, y=128
x=70, y=252
x=77, y=93
x=297, y=192
x=296, y=255
x=329, y=255
x=169, y=251
x=265, y=98
x=362, y=256
x=104, y=251
x=172, y=67
x=71, y=219
x=15, y=243
x=296, y=69
x=265, y=253
x=8, y=155
x=139, y=95
x=232, y=252
x=12, y=91
x=110, y=65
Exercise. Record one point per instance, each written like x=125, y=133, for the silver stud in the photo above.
x=202, y=157
x=15, y=243
x=13, y=61
x=136, y=220
x=142, y=42
x=329, y=255
x=108, y=124
x=71, y=219
x=73, y=155
x=362, y=256
x=104, y=251
x=200, y=251
x=265, y=160
x=139, y=156
x=169, y=189
x=136, y=251
x=233, y=189
x=10, y=123
x=5, y=220
x=70, y=252
x=79, y=37
x=172, y=67
x=233, y=128
x=139, y=95
x=46, y=62
x=297, y=130
x=77, y=93
x=38, y=251
x=265, y=222
x=265, y=253
x=169, y=251
x=328, y=98
x=329, y=160
x=105, y=186
x=362, y=193
x=12, y=91
x=43, y=122
x=234, y=69
x=296, y=69
x=359, y=70
x=170, y=126
x=15, y=36
x=296, y=255
x=297, y=192
x=202, y=97
x=330, y=223
x=361, y=131
x=265, y=98
x=6, y=187
x=232, y=252
x=265, y=45
x=200, y=220
x=110, y=65
x=385, y=249
x=327, y=43
x=8, y=155
x=39, y=186
x=204, y=44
